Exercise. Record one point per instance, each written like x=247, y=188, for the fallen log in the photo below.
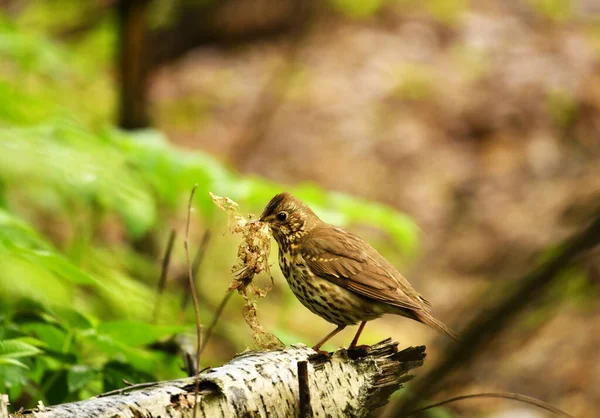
x=264, y=383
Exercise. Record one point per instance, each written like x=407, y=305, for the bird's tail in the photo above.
x=428, y=319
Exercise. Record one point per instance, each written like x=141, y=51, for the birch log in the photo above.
x=264, y=383
x=3, y=406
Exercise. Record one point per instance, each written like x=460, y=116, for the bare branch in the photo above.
x=218, y=313
x=160, y=287
x=505, y=395
x=194, y=297
x=488, y=325
x=198, y=258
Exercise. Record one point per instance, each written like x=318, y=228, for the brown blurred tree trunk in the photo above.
x=223, y=22
x=133, y=64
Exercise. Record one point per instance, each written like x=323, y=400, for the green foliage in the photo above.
x=558, y=10
x=446, y=11
x=562, y=107
x=573, y=287
x=357, y=8
x=76, y=197
x=415, y=82
x=11, y=350
x=68, y=354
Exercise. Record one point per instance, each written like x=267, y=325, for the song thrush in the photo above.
x=336, y=274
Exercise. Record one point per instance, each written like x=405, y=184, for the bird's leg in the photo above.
x=360, y=330
x=328, y=337
x=356, y=351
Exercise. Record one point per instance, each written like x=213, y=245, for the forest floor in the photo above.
x=484, y=129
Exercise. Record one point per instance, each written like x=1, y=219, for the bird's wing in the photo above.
x=350, y=262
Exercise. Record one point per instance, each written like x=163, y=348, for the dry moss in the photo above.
x=252, y=259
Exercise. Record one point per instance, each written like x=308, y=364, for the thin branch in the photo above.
x=198, y=258
x=505, y=395
x=160, y=287
x=127, y=388
x=490, y=324
x=304, y=390
x=194, y=298
x=218, y=313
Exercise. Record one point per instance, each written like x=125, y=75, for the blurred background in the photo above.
x=460, y=138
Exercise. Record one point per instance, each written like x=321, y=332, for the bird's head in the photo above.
x=288, y=217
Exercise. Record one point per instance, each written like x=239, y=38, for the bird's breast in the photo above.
x=322, y=297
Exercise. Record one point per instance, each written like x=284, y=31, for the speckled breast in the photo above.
x=324, y=298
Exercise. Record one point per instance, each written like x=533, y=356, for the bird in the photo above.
x=337, y=275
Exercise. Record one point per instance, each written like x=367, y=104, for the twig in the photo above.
x=126, y=389
x=505, y=395
x=218, y=313
x=486, y=326
x=190, y=364
x=304, y=390
x=194, y=298
x=198, y=258
x=160, y=288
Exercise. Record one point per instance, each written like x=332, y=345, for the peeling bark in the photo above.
x=265, y=383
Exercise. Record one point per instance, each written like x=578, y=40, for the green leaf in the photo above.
x=73, y=319
x=34, y=281
x=114, y=372
x=32, y=341
x=55, y=386
x=58, y=265
x=10, y=350
x=140, y=359
x=78, y=376
x=136, y=333
x=12, y=362
x=51, y=335
x=76, y=163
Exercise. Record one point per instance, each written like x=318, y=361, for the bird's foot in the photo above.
x=358, y=351
x=321, y=352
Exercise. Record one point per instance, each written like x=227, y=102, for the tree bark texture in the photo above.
x=265, y=383
x=3, y=406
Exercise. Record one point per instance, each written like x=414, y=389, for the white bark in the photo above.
x=261, y=384
x=3, y=406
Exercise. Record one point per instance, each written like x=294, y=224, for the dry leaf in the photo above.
x=252, y=259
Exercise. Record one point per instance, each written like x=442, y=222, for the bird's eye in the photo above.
x=281, y=216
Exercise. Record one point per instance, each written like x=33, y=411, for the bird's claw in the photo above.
x=358, y=351
x=321, y=352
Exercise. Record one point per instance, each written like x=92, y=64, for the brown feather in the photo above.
x=356, y=266
x=361, y=283
x=427, y=318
